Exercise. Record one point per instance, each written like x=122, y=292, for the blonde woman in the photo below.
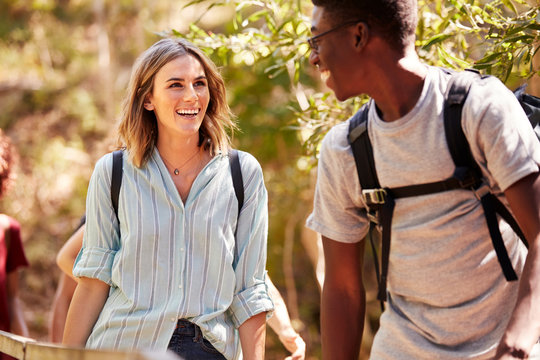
x=166, y=273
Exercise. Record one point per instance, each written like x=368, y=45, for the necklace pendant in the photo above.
x=176, y=172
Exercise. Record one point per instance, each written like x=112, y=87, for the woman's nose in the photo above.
x=190, y=93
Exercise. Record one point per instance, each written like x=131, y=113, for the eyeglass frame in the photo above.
x=312, y=41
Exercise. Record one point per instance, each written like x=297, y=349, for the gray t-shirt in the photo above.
x=448, y=298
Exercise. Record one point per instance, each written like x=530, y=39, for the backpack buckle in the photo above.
x=481, y=191
x=465, y=177
x=374, y=196
x=373, y=217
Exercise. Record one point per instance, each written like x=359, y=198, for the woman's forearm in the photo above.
x=86, y=305
x=252, y=337
x=68, y=253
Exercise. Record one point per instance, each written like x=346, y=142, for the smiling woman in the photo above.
x=180, y=268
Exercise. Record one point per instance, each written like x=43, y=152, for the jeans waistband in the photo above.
x=185, y=327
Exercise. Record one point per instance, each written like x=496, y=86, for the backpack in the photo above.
x=236, y=173
x=380, y=201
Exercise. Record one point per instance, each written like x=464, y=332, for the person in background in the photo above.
x=12, y=256
x=447, y=297
x=66, y=283
x=170, y=269
x=280, y=321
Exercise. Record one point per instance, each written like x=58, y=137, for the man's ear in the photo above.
x=361, y=35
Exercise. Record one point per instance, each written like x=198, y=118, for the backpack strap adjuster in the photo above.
x=481, y=191
x=466, y=177
x=374, y=196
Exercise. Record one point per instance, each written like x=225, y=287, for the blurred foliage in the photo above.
x=64, y=65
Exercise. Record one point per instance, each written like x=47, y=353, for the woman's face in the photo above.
x=180, y=97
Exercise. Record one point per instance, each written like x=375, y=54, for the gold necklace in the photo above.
x=177, y=168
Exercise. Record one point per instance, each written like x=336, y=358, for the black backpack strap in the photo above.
x=238, y=181
x=458, y=89
x=362, y=149
x=456, y=94
x=116, y=180
x=379, y=202
x=238, y=185
x=531, y=106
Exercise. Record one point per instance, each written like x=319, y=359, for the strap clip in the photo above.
x=373, y=216
x=481, y=191
x=465, y=177
x=374, y=196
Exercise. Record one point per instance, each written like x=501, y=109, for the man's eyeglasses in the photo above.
x=313, y=41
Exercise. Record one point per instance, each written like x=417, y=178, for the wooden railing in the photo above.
x=22, y=348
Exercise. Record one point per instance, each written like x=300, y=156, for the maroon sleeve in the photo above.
x=16, y=257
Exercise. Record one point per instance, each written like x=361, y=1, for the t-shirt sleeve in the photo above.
x=501, y=137
x=16, y=257
x=101, y=236
x=338, y=212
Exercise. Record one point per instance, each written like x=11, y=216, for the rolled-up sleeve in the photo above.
x=251, y=294
x=250, y=302
x=101, y=235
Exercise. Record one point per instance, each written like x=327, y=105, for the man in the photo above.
x=447, y=297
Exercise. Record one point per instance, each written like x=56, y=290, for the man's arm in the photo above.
x=523, y=329
x=252, y=337
x=343, y=303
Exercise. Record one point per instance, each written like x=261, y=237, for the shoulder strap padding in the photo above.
x=456, y=94
x=362, y=149
x=116, y=180
x=531, y=106
x=238, y=181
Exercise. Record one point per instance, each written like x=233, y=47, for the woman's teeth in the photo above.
x=187, y=112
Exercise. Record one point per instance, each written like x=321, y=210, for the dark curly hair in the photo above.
x=7, y=159
x=395, y=20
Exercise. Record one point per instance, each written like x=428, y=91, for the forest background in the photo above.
x=64, y=66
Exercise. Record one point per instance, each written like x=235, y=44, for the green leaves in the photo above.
x=498, y=37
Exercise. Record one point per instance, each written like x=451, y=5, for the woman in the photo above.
x=280, y=322
x=169, y=273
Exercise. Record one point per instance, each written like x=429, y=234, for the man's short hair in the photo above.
x=394, y=20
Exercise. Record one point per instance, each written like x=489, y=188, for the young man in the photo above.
x=447, y=297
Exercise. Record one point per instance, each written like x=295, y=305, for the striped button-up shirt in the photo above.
x=170, y=260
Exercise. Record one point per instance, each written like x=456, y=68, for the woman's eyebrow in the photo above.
x=202, y=77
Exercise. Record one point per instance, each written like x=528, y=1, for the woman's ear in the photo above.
x=148, y=104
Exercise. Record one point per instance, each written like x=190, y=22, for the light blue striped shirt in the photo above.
x=175, y=260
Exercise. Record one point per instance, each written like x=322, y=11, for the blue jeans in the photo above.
x=187, y=342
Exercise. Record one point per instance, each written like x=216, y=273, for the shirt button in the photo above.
x=179, y=286
x=181, y=249
x=173, y=319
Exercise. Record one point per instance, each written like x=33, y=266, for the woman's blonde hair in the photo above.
x=138, y=127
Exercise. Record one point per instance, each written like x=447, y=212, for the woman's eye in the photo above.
x=200, y=83
x=175, y=85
